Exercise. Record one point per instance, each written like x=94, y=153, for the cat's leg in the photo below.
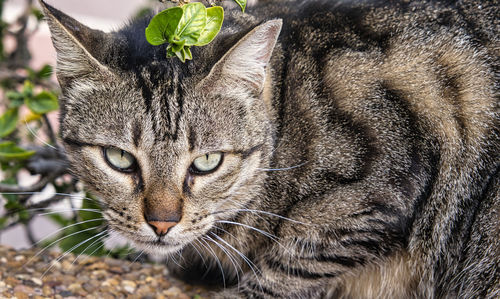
x=194, y=266
x=323, y=243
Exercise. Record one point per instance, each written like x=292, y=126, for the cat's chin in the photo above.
x=158, y=247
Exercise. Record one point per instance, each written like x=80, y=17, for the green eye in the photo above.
x=206, y=163
x=120, y=159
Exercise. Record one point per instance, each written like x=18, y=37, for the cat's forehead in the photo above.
x=165, y=111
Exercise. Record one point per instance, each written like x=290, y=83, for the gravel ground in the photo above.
x=24, y=276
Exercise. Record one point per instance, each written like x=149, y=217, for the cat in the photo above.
x=335, y=149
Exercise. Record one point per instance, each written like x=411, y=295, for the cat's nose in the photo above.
x=161, y=228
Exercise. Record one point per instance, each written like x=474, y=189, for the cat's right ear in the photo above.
x=77, y=47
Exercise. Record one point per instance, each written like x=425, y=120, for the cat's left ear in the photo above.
x=244, y=65
x=78, y=47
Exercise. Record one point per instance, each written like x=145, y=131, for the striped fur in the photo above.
x=361, y=157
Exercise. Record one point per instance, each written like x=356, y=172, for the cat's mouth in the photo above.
x=161, y=242
x=157, y=246
x=172, y=242
x=143, y=236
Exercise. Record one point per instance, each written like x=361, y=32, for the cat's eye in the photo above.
x=206, y=163
x=120, y=159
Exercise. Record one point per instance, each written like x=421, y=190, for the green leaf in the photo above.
x=3, y=221
x=170, y=51
x=27, y=89
x=37, y=13
x=143, y=12
x=31, y=73
x=8, y=122
x=43, y=102
x=82, y=242
x=184, y=54
x=23, y=215
x=90, y=215
x=181, y=55
x=121, y=252
x=177, y=46
x=215, y=16
x=10, y=197
x=187, y=51
x=242, y=4
x=16, y=98
x=163, y=26
x=192, y=23
x=60, y=219
x=10, y=152
x=44, y=72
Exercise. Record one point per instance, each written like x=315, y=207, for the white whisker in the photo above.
x=271, y=236
x=137, y=258
x=230, y=256
x=193, y=244
x=70, y=210
x=66, y=227
x=37, y=137
x=70, y=250
x=56, y=241
x=95, y=241
x=252, y=266
x=207, y=246
x=268, y=213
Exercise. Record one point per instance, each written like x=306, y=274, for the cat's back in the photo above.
x=399, y=99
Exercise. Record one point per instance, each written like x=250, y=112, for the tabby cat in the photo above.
x=338, y=149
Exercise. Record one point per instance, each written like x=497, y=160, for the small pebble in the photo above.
x=37, y=281
x=129, y=286
x=12, y=281
x=90, y=286
x=47, y=290
x=19, y=258
x=172, y=292
x=21, y=295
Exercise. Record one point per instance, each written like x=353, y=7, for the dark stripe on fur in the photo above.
x=256, y=287
x=136, y=133
x=302, y=273
x=247, y=153
x=347, y=261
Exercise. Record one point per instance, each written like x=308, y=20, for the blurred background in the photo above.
x=105, y=15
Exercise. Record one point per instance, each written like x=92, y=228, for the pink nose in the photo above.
x=161, y=227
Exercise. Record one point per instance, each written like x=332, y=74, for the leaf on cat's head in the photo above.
x=242, y=4
x=191, y=25
x=215, y=16
x=162, y=27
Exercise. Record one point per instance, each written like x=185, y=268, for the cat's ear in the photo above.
x=244, y=65
x=77, y=46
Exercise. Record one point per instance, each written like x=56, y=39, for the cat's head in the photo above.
x=168, y=147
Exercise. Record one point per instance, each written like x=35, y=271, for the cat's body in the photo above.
x=372, y=129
